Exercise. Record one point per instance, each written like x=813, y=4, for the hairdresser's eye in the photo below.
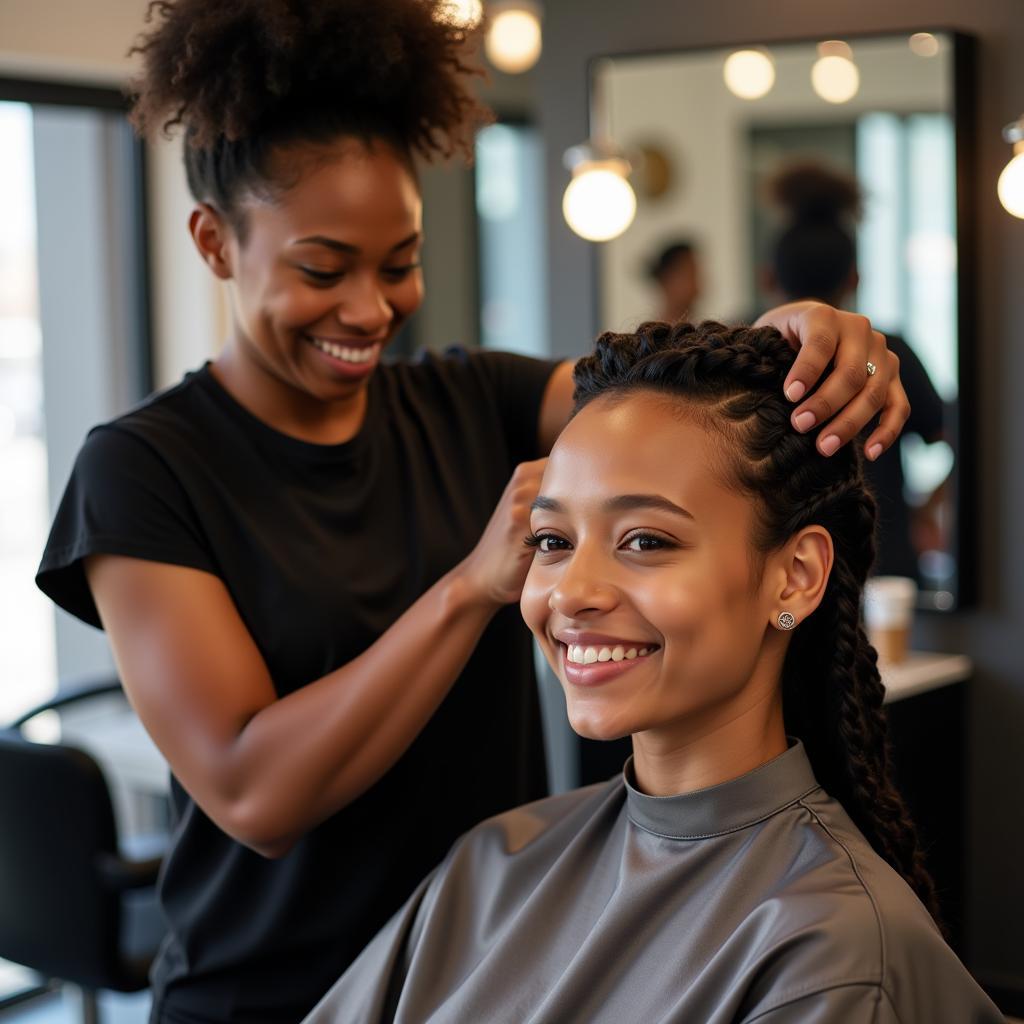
x=642, y=541
x=546, y=543
x=323, y=277
x=397, y=274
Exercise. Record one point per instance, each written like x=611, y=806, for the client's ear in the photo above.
x=802, y=569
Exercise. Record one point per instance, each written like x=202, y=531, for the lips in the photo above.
x=591, y=659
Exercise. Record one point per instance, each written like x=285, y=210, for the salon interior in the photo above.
x=631, y=170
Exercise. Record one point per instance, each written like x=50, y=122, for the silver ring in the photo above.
x=872, y=369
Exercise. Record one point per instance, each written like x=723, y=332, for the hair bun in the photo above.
x=814, y=192
x=234, y=69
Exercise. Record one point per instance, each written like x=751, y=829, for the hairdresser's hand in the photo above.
x=496, y=568
x=849, y=398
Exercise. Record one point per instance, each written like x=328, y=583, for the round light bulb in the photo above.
x=513, y=40
x=1011, y=183
x=465, y=13
x=749, y=74
x=599, y=203
x=835, y=79
x=924, y=44
x=835, y=48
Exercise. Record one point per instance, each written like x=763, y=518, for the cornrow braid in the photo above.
x=731, y=379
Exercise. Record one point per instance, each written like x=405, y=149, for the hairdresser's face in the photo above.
x=643, y=549
x=329, y=269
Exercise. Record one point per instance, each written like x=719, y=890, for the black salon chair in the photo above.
x=73, y=907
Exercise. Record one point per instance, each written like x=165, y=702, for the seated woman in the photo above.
x=697, y=584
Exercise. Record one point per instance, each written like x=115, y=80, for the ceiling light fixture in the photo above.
x=513, y=41
x=835, y=77
x=464, y=13
x=749, y=74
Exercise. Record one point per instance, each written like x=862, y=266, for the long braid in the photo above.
x=832, y=692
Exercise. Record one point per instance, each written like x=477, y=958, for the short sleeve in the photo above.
x=121, y=499
x=518, y=384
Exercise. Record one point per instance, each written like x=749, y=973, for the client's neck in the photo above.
x=713, y=746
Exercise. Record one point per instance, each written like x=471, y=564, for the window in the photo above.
x=74, y=345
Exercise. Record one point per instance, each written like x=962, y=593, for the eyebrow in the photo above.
x=345, y=247
x=620, y=503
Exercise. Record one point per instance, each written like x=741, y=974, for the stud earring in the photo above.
x=787, y=620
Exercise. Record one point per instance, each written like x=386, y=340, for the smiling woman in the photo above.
x=695, y=583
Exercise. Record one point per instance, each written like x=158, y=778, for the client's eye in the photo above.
x=546, y=542
x=646, y=542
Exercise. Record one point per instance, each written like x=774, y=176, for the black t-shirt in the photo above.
x=896, y=555
x=322, y=547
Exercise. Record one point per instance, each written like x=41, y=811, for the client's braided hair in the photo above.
x=731, y=379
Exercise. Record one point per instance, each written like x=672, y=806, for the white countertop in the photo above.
x=922, y=672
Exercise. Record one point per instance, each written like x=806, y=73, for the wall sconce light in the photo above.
x=599, y=203
x=1011, y=181
x=835, y=77
x=513, y=41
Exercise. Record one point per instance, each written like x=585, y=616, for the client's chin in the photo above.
x=596, y=727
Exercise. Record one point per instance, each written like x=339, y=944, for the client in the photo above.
x=696, y=583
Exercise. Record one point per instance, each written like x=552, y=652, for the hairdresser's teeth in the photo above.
x=349, y=355
x=618, y=653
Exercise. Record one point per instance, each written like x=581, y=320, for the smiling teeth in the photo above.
x=349, y=355
x=588, y=655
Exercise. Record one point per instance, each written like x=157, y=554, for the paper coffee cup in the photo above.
x=889, y=603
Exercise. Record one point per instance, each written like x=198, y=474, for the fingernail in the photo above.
x=804, y=421
x=796, y=391
x=874, y=451
x=830, y=445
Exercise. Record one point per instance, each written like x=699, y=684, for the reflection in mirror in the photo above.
x=808, y=170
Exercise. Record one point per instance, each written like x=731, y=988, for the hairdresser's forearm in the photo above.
x=306, y=756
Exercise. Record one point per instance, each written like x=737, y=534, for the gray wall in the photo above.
x=578, y=29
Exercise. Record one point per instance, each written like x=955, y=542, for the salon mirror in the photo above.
x=887, y=111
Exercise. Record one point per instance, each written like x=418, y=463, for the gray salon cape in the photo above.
x=754, y=900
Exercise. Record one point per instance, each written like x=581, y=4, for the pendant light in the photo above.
x=599, y=203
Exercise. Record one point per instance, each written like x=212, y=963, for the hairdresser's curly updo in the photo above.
x=732, y=378
x=248, y=77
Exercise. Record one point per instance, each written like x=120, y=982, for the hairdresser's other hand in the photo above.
x=496, y=568
x=849, y=398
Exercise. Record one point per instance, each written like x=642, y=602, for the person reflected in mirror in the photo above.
x=675, y=271
x=696, y=584
x=815, y=256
